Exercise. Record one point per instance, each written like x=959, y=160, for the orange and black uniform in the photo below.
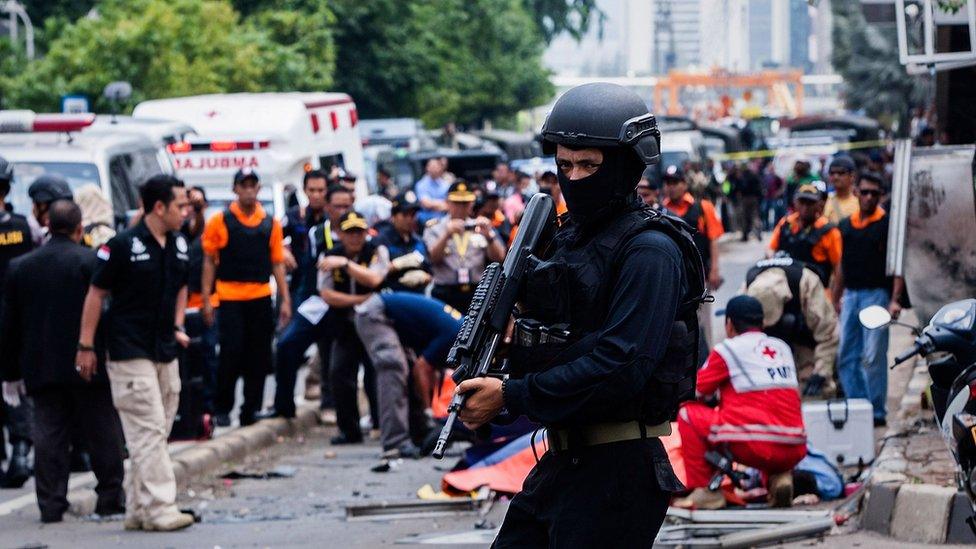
x=701, y=215
x=818, y=245
x=245, y=248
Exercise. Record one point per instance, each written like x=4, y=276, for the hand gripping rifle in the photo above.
x=474, y=349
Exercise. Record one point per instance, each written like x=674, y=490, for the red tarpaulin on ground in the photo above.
x=507, y=475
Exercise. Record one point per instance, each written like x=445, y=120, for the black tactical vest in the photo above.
x=573, y=288
x=340, y=278
x=247, y=255
x=691, y=217
x=800, y=245
x=791, y=326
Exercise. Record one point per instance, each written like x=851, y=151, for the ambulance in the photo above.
x=279, y=135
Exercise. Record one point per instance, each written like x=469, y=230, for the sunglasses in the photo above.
x=838, y=172
x=870, y=192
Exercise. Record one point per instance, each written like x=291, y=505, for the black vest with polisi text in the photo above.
x=573, y=288
x=247, y=255
x=800, y=245
x=792, y=325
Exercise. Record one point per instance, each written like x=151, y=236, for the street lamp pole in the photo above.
x=16, y=10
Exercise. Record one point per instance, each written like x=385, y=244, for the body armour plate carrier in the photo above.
x=573, y=289
x=800, y=245
x=247, y=256
x=792, y=325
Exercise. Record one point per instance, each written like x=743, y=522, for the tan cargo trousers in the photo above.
x=146, y=394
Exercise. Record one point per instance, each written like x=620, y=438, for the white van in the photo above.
x=38, y=144
x=278, y=135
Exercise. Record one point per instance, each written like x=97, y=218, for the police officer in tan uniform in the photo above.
x=460, y=248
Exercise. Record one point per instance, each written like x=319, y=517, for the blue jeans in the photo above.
x=290, y=349
x=774, y=206
x=863, y=364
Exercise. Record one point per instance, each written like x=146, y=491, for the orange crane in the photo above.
x=776, y=83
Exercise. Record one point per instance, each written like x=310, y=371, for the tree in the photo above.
x=554, y=17
x=440, y=60
x=867, y=59
x=168, y=48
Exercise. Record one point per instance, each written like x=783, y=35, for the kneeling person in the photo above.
x=758, y=419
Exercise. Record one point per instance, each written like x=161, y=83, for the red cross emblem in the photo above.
x=769, y=352
x=211, y=114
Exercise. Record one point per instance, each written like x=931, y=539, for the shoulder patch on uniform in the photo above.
x=104, y=252
x=431, y=222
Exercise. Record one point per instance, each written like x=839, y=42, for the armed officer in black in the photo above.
x=15, y=412
x=605, y=345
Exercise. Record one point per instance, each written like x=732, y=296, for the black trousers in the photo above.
x=458, y=297
x=246, y=329
x=57, y=410
x=611, y=495
x=347, y=355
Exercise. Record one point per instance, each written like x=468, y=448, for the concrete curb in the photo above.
x=920, y=513
x=206, y=456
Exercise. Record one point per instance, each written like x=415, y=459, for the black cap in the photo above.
x=404, y=202
x=49, y=187
x=352, y=220
x=245, y=173
x=843, y=162
x=745, y=308
x=673, y=173
x=461, y=191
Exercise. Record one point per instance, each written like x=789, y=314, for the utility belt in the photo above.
x=562, y=440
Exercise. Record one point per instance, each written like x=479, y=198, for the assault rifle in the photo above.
x=474, y=349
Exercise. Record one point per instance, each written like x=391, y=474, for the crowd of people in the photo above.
x=794, y=332
x=101, y=330
x=380, y=299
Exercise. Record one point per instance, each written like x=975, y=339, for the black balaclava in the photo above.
x=607, y=190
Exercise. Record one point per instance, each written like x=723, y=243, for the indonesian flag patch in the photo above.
x=104, y=252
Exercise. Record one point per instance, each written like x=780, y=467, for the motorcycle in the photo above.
x=948, y=344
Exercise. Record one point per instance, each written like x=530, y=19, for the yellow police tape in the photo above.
x=745, y=155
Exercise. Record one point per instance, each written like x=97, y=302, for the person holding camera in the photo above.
x=460, y=248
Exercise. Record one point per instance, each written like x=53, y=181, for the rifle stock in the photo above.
x=474, y=349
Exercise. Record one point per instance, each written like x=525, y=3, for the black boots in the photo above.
x=18, y=470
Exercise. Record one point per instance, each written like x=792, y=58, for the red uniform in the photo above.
x=759, y=417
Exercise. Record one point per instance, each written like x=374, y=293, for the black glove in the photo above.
x=814, y=385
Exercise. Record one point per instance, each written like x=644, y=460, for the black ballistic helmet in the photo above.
x=6, y=171
x=602, y=115
x=49, y=187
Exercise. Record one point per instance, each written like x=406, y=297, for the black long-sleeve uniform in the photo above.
x=608, y=495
